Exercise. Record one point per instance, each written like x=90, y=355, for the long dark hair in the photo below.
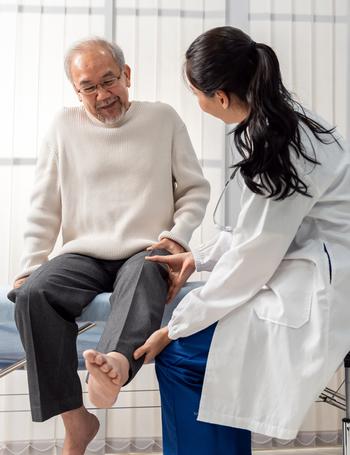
x=227, y=59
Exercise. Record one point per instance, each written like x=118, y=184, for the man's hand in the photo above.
x=18, y=283
x=169, y=245
x=153, y=345
x=180, y=266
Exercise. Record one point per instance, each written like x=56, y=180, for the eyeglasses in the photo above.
x=107, y=84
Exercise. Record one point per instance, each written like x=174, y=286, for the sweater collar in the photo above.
x=125, y=118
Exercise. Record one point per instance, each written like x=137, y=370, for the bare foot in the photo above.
x=81, y=428
x=108, y=373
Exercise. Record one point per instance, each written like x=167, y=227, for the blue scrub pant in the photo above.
x=180, y=370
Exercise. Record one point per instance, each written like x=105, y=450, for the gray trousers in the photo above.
x=56, y=293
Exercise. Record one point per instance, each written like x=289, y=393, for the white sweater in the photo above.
x=113, y=191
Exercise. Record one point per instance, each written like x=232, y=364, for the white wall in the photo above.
x=35, y=34
x=310, y=37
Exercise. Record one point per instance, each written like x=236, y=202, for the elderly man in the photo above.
x=117, y=177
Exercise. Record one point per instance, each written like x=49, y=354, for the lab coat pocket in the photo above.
x=286, y=299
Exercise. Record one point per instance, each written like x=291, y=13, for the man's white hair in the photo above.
x=87, y=43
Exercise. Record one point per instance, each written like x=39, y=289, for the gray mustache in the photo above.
x=107, y=102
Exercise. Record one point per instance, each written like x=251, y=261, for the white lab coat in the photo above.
x=280, y=289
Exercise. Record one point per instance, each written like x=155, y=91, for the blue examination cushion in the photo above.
x=97, y=311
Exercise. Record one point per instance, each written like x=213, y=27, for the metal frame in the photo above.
x=21, y=363
x=341, y=401
x=346, y=420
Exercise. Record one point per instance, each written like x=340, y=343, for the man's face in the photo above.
x=94, y=66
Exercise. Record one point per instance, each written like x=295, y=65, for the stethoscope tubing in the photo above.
x=216, y=223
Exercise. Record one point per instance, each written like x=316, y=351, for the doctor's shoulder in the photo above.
x=324, y=151
x=322, y=138
x=315, y=158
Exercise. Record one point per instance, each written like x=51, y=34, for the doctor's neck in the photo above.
x=236, y=112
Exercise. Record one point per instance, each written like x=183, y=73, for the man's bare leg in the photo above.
x=81, y=428
x=108, y=373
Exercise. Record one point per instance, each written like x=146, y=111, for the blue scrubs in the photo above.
x=180, y=370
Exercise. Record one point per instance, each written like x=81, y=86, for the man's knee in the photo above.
x=155, y=269
x=137, y=266
x=27, y=297
x=42, y=285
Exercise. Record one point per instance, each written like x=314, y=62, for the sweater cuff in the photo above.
x=170, y=235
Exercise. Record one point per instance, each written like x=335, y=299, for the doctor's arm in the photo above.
x=181, y=266
x=264, y=232
x=208, y=254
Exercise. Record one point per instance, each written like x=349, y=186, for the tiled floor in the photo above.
x=318, y=451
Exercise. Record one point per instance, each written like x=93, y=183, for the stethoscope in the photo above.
x=216, y=223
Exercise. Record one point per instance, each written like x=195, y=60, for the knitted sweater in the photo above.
x=114, y=190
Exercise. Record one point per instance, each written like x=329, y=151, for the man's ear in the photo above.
x=223, y=99
x=127, y=73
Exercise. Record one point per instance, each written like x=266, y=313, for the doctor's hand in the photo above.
x=169, y=245
x=153, y=345
x=180, y=268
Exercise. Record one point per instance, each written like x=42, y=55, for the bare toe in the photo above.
x=90, y=355
x=112, y=374
x=100, y=360
x=105, y=378
x=106, y=368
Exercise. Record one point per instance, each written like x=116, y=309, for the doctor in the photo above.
x=258, y=342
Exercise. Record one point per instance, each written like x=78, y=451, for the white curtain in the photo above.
x=154, y=35
x=311, y=40
x=35, y=34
